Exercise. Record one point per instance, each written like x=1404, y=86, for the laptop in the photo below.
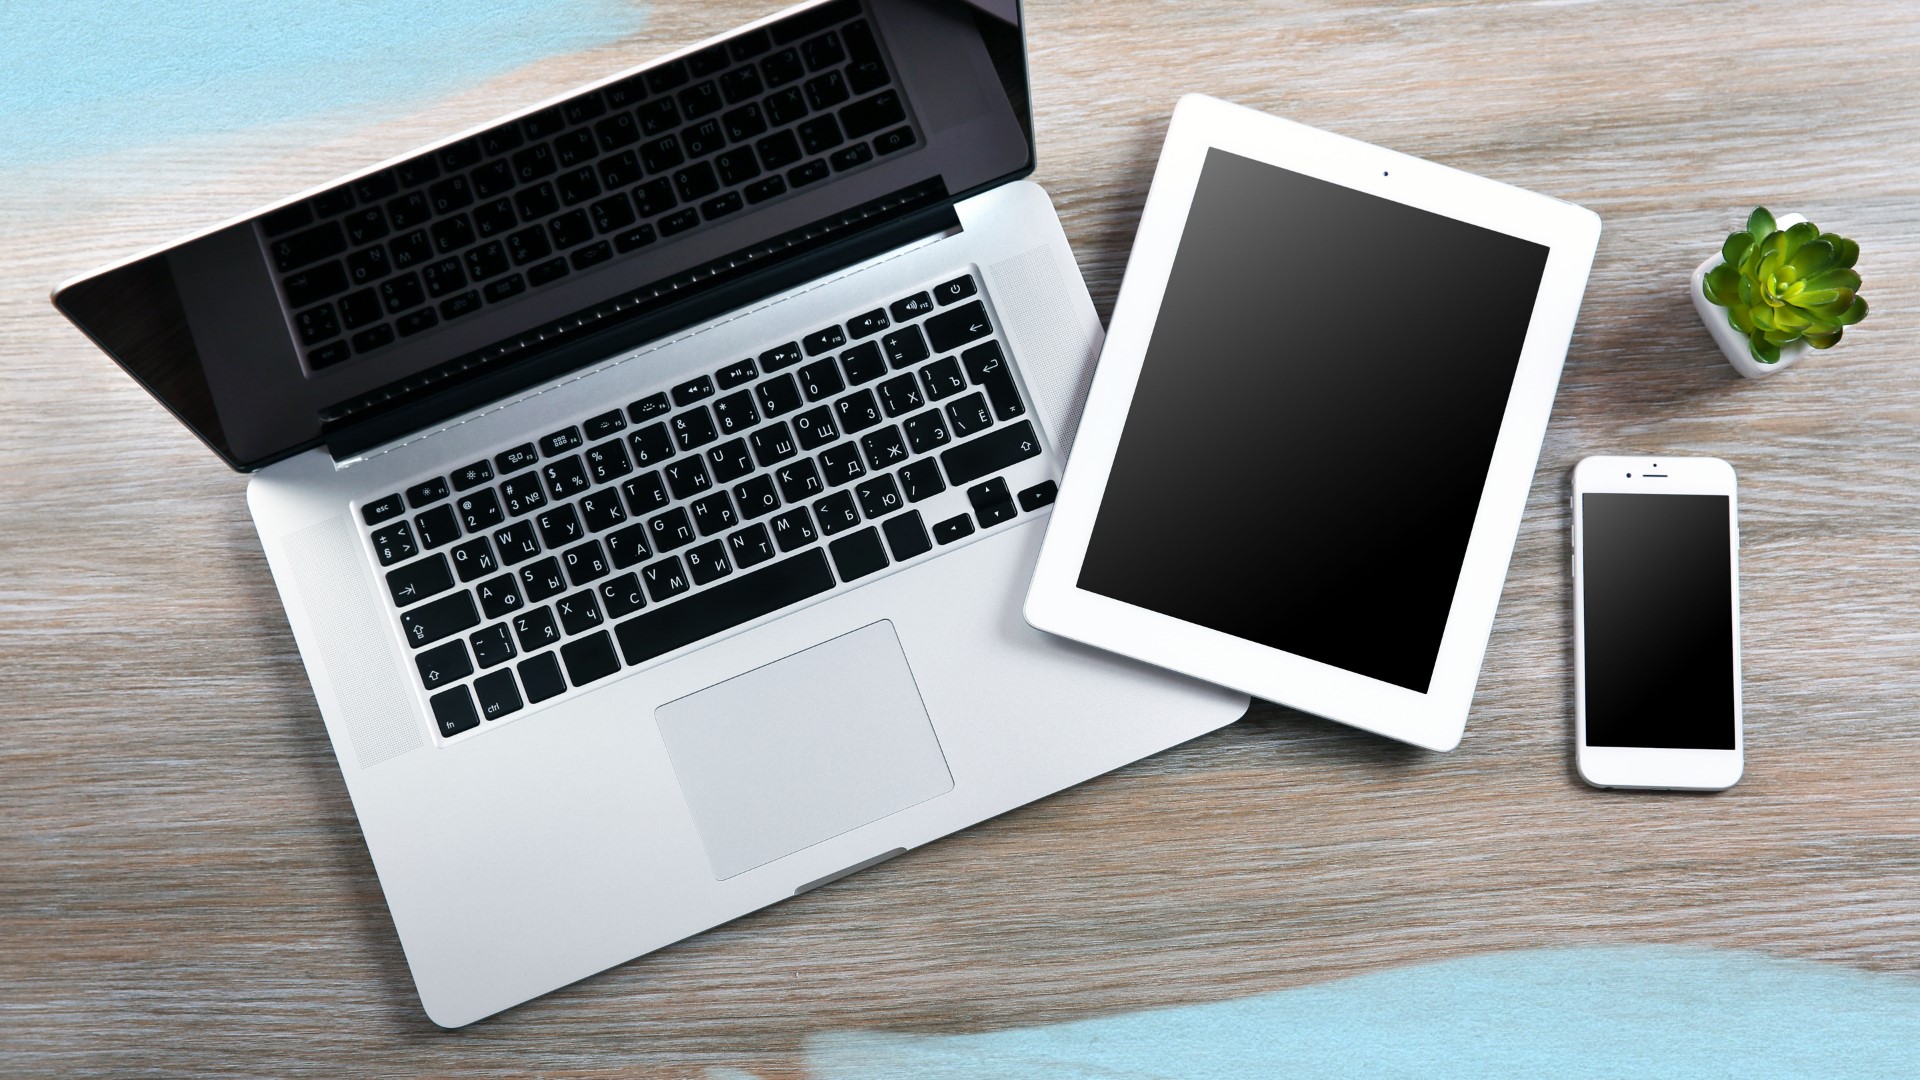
x=651, y=479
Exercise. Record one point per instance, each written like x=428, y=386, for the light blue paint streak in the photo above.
x=84, y=77
x=1640, y=1011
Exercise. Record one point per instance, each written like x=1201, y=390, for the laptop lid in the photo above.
x=506, y=256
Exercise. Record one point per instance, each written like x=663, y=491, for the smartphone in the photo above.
x=1656, y=623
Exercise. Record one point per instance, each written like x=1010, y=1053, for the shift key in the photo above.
x=444, y=617
x=988, y=454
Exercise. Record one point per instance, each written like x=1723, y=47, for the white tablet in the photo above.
x=1308, y=442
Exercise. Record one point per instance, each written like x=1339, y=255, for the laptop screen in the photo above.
x=477, y=268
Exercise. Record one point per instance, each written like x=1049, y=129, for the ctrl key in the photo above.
x=453, y=712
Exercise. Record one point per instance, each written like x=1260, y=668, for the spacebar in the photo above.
x=728, y=604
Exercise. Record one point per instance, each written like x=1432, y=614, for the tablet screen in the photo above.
x=1314, y=420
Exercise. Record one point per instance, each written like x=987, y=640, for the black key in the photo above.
x=394, y=543
x=616, y=131
x=794, y=529
x=740, y=84
x=409, y=210
x=819, y=135
x=696, y=181
x=523, y=494
x=488, y=260
x=372, y=338
x=815, y=428
x=888, y=142
x=452, y=234
x=577, y=186
x=782, y=67
x=493, y=645
x=906, y=536
x=821, y=379
x=823, y=51
x=693, y=390
x=453, y=711
x=911, y=307
x=734, y=374
x=436, y=527
x=376, y=187
x=773, y=443
x=440, y=618
x=756, y=497
x=662, y=154
x=841, y=464
x=605, y=424
x=474, y=558
x=953, y=529
x=416, y=581
x=613, y=213
x=826, y=90
x=868, y=71
x=302, y=248
x=628, y=546
x=537, y=203
x=449, y=195
x=900, y=394
x=747, y=46
x=559, y=527
x=536, y=630
x=572, y=149
x=799, y=481
x=541, y=579
x=634, y=238
x=511, y=461
x=990, y=453
x=460, y=155
x=316, y=283
x=608, y=461
x=464, y=304
x=670, y=530
x=824, y=340
x=491, y=179
x=749, y=547
x=317, y=324
x=766, y=188
x=379, y=510
x=688, y=477
x=857, y=154
x=579, y=613
x=777, y=395
x=585, y=562
x=859, y=554
x=857, y=411
x=959, y=288
x=366, y=225
x=863, y=363
x=746, y=597
x=497, y=141
x=497, y=694
x=533, y=163
x=700, y=99
x=517, y=542
x=329, y=354
x=869, y=115
x=693, y=428
x=989, y=370
x=953, y=328
x=565, y=477
x=591, y=255
x=528, y=245
x=645, y=493
x=500, y=596
x=703, y=138
x=651, y=444
x=836, y=513
x=735, y=413
x=777, y=151
x=658, y=115
x=926, y=432
x=570, y=230
x=709, y=562
x=713, y=514
x=620, y=170
x=969, y=415
x=286, y=219
x=540, y=675
x=878, y=497
x=552, y=270
x=401, y=293
x=921, y=479
x=622, y=596
x=991, y=502
x=780, y=356
x=647, y=408
x=905, y=346
x=730, y=461
x=720, y=206
x=561, y=441
x=366, y=267
x=415, y=321
x=867, y=325
x=1037, y=496
x=583, y=108
x=626, y=93
x=443, y=277
x=664, y=579
x=942, y=378
x=885, y=448
x=736, y=166
x=410, y=250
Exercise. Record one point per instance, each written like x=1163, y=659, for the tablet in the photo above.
x=1309, y=439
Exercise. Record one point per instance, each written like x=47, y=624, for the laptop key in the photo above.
x=955, y=327
x=512, y=461
x=688, y=477
x=590, y=658
x=601, y=511
x=750, y=546
x=628, y=546
x=647, y=408
x=863, y=363
x=954, y=528
x=474, y=558
x=566, y=477
x=664, y=579
x=884, y=448
x=989, y=370
x=453, y=711
x=900, y=394
x=794, y=529
x=991, y=502
x=943, y=379
x=958, y=289
x=713, y=514
x=857, y=411
x=559, y=527
x=735, y=412
x=772, y=444
x=906, y=536
x=708, y=562
x=621, y=596
x=836, y=513
x=821, y=379
x=535, y=629
x=437, y=619
x=990, y=453
x=841, y=464
x=858, y=554
x=815, y=428
x=493, y=645
x=472, y=476
x=645, y=493
x=436, y=527
x=736, y=373
x=523, y=494
x=517, y=543
x=605, y=424
x=479, y=511
x=416, y=581
x=693, y=428
x=740, y=599
x=921, y=480
x=879, y=496
x=780, y=356
x=542, y=579
x=730, y=461
x=379, y=510
x=906, y=346
x=497, y=694
x=671, y=530
x=499, y=597
x=756, y=497
x=911, y=307
x=394, y=543
x=650, y=444
x=825, y=340
x=579, y=613
x=585, y=562
x=1038, y=495
x=540, y=676
x=969, y=415
x=443, y=664
x=925, y=431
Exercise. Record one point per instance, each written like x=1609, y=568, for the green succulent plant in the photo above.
x=1783, y=285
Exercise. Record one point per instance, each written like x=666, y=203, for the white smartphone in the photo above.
x=1656, y=623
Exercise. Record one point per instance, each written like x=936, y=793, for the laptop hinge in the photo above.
x=636, y=317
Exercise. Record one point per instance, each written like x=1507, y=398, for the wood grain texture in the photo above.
x=182, y=886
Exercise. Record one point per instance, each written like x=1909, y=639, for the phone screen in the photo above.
x=1659, y=629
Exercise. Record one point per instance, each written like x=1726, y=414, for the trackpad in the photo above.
x=803, y=749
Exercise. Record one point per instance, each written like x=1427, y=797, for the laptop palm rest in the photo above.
x=803, y=749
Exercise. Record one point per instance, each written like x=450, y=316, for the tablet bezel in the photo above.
x=1056, y=604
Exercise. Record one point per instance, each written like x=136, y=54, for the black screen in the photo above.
x=1658, y=595
x=1314, y=420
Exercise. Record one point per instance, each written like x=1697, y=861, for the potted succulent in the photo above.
x=1776, y=289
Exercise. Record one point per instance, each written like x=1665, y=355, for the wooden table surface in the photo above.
x=182, y=885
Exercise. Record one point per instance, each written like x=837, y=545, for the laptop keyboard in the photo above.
x=751, y=489
x=523, y=205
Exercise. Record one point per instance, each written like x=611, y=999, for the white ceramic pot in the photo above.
x=1731, y=341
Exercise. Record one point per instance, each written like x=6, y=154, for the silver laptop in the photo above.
x=651, y=479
